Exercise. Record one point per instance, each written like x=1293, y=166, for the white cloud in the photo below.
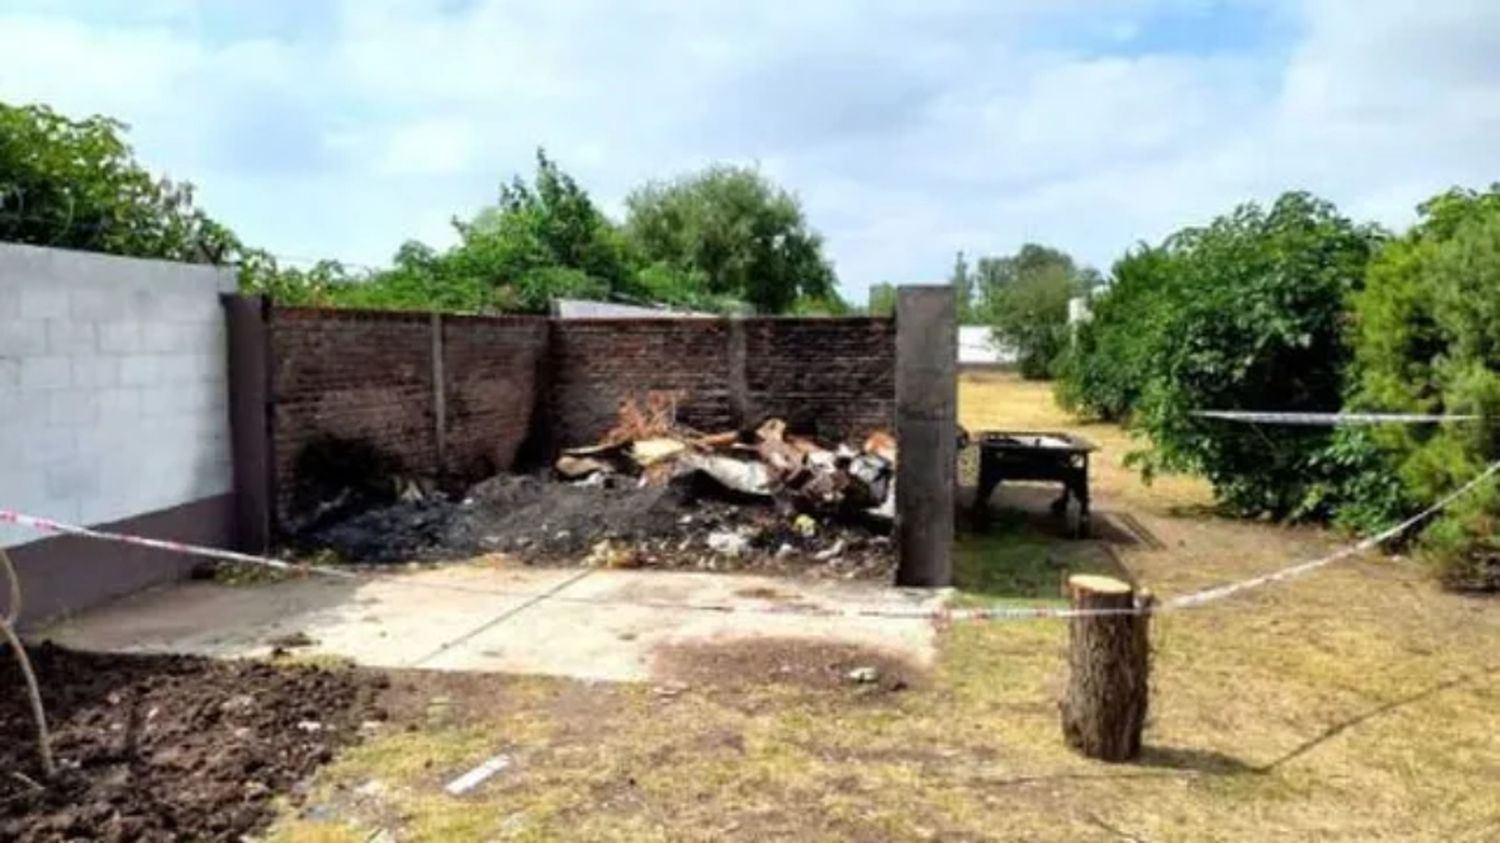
x=909, y=130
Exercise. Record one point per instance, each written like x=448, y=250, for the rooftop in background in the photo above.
x=587, y=309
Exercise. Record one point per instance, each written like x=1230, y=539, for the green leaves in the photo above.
x=741, y=235
x=1025, y=298
x=1427, y=329
x=77, y=185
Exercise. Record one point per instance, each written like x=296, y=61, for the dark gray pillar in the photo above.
x=247, y=319
x=926, y=434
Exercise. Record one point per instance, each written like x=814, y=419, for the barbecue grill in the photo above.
x=1035, y=456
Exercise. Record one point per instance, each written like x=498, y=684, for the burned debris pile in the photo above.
x=653, y=493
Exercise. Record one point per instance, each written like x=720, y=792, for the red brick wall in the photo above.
x=835, y=378
x=832, y=377
x=495, y=369
x=352, y=375
x=366, y=377
x=597, y=363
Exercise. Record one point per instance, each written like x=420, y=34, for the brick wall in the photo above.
x=355, y=376
x=830, y=377
x=495, y=370
x=367, y=377
x=597, y=363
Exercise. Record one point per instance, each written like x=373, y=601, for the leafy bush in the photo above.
x=1427, y=340
x=1105, y=368
x=1253, y=320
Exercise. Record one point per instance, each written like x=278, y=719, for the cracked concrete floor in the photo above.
x=490, y=615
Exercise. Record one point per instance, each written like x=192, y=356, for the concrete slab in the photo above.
x=588, y=624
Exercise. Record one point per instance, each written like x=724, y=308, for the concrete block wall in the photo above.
x=112, y=385
x=113, y=389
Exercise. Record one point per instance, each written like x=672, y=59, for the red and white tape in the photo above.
x=983, y=613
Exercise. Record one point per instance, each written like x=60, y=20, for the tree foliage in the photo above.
x=1105, y=368
x=1246, y=313
x=1427, y=340
x=882, y=299
x=741, y=235
x=1024, y=297
x=76, y=184
x=962, y=281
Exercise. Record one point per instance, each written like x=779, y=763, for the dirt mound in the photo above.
x=167, y=747
x=689, y=523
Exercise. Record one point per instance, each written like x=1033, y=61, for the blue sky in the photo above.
x=910, y=130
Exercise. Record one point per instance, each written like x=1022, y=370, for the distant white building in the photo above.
x=977, y=347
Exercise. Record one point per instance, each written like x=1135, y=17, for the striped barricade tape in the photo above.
x=982, y=613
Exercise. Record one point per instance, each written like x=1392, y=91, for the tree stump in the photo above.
x=1104, y=710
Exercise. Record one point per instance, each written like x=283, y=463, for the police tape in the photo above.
x=942, y=614
x=1333, y=419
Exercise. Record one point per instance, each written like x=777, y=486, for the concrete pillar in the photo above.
x=247, y=319
x=926, y=434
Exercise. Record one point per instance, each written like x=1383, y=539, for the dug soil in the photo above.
x=686, y=524
x=155, y=748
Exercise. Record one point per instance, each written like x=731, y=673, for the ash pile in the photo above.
x=654, y=494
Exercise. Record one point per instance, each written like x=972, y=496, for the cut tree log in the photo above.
x=1109, y=658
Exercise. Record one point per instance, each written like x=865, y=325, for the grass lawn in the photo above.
x=1357, y=703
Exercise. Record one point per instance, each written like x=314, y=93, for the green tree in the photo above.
x=1427, y=340
x=1105, y=368
x=882, y=299
x=1024, y=297
x=541, y=240
x=745, y=237
x=963, y=289
x=76, y=184
x=1253, y=319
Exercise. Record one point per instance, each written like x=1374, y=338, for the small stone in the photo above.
x=309, y=726
x=864, y=675
x=670, y=690
x=371, y=788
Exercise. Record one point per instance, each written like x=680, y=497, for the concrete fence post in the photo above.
x=926, y=434
x=247, y=322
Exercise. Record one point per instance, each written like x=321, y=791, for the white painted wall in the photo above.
x=113, y=393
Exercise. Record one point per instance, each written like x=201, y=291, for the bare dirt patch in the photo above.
x=168, y=747
x=817, y=665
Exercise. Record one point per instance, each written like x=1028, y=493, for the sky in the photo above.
x=909, y=130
